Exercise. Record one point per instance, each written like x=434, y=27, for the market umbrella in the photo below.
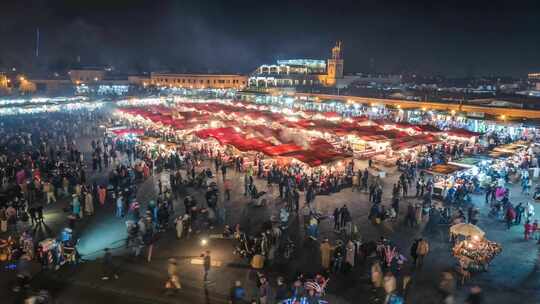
x=467, y=230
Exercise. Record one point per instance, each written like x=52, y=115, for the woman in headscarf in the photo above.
x=89, y=203
x=76, y=206
x=376, y=275
x=350, y=254
x=102, y=193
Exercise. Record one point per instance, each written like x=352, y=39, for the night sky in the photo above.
x=428, y=37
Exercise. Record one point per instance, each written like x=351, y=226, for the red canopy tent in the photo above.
x=126, y=131
x=282, y=149
x=460, y=132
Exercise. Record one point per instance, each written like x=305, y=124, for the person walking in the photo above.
x=102, y=193
x=529, y=209
x=173, y=281
x=414, y=249
x=520, y=210
x=510, y=217
x=227, y=186
x=326, y=254
x=39, y=211
x=282, y=291
x=108, y=266
x=337, y=220
x=475, y=296
x=224, y=171
x=447, y=287
x=179, y=225
x=120, y=206
x=355, y=182
x=421, y=251
x=376, y=275
x=33, y=215
x=48, y=189
x=528, y=230
x=207, y=264
x=89, y=203
x=237, y=294
x=350, y=254
x=264, y=291
x=76, y=206
x=390, y=286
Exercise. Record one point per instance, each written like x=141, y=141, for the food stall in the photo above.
x=445, y=176
x=474, y=253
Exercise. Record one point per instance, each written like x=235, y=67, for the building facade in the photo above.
x=199, y=81
x=300, y=72
x=4, y=84
x=87, y=75
x=534, y=79
x=335, y=66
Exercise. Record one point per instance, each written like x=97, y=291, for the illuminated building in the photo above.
x=199, y=81
x=300, y=72
x=4, y=84
x=534, y=79
x=85, y=81
x=87, y=75
x=335, y=66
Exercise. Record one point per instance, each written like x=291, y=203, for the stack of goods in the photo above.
x=476, y=254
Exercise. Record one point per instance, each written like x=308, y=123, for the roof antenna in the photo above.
x=37, y=42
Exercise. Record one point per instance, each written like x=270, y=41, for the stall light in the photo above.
x=503, y=117
x=453, y=112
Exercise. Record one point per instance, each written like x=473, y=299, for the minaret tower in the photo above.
x=334, y=68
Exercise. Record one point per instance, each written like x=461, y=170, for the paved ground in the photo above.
x=513, y=274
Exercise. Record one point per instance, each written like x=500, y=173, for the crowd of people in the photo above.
x=41, y=165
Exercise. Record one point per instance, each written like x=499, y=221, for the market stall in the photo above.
x=474, y=252
x=445, y=177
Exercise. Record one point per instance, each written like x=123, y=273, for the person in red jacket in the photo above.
x=510, y=216
x=535, y=230
x=528, y=230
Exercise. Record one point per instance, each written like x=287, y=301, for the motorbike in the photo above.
x=242, y=247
